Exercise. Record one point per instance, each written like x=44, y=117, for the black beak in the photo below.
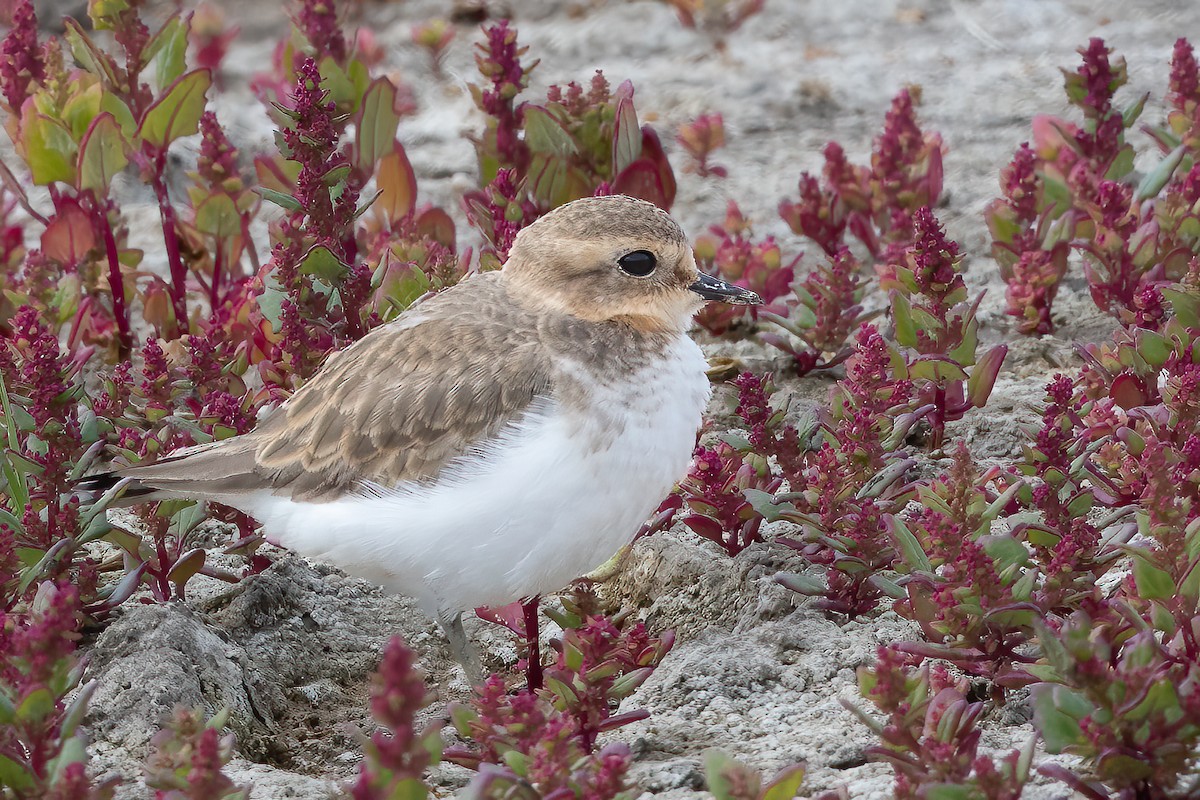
x=711, y=288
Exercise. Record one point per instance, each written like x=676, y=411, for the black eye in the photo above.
x=639, y=263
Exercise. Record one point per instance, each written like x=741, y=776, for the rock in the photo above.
x=154, y=658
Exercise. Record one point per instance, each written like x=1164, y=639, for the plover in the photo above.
x=496, y=441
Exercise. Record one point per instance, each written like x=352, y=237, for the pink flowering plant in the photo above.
x=700, y=138
x=935, y=325
x=581, y=141
x=845, y=494
x=872, y=203
x=930, y=733
x=829, y=311
x=188, y=756
x=543, y=743
x=730, y=252
x=1075, y=189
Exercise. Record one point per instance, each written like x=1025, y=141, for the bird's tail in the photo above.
x=193, y=472
x=91, y=487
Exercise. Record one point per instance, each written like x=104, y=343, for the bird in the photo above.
x=495, y=441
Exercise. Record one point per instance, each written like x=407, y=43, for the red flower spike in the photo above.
x=20, y=56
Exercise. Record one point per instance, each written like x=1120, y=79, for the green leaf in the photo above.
x=104, y=12
x=320, y=262
x=14, y=774
x=284, y=201
x=562, y=690
x=546, y=135
x=936, y=370
x=187, y=566
x=116, y=106
x=49, y=150
x=1122, y=165
x=914, y=555
x=807, y=585
x=1006, y=552
x=270, y=302
x=627, y=139
x=346, y=87
x=169, y=49
x=77, y=710
x=764, y=503
x=1185, y=304
x=1056, y=716
x=1152, y=582
x=376, y=132
x=101, y=154
x=964, y=353
x=725, y=774
x=1157, y=178
x=335, y=175
x=177, y=113
x=1153, y=347
x=887, y=586
x=36, y=706
x=948, y=791
x=79, y=111
x=984, y=374
x=89, y=56
x=786, y=784
x=1134, y=110
x=1081, y=504
x=217, y=216
x=906, y=329
x=408, y=789
x=625, y=685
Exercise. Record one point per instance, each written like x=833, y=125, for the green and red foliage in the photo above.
x=1075, y=189
x=730, y=252
x=930, y=735
x=187, y=759
x=41, y=752
x=397, y=757
x=545, y=741
x=534, y=157
x=700, y=138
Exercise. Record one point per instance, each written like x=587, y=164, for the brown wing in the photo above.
x=399, y=405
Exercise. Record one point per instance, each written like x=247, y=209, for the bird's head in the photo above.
x=615, y=258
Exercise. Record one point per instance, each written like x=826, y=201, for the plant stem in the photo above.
x=170, y=238
x=218, y=262
x=938, y=423
x=533, y=652
x=116, y=281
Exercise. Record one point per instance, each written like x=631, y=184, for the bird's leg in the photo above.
x=533, y=650
x=462, y=648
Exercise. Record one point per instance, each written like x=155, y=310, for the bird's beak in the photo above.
x=711, y=288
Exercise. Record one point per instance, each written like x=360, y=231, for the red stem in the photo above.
x=938, y=421
x=174, y=260
x=533, y=651
x=214, y=296
x=160, y=576
x=116, y=282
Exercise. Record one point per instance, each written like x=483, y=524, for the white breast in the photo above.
x=550, y=499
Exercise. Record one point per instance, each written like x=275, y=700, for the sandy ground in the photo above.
x=755, y=671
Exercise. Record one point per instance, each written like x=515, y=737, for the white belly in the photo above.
x=555, y=496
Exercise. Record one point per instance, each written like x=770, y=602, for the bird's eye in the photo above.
x=639, y=263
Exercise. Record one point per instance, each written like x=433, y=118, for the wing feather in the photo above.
x=399, y=405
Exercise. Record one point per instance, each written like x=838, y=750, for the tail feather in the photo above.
x=219, y=468
x=90, y=488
